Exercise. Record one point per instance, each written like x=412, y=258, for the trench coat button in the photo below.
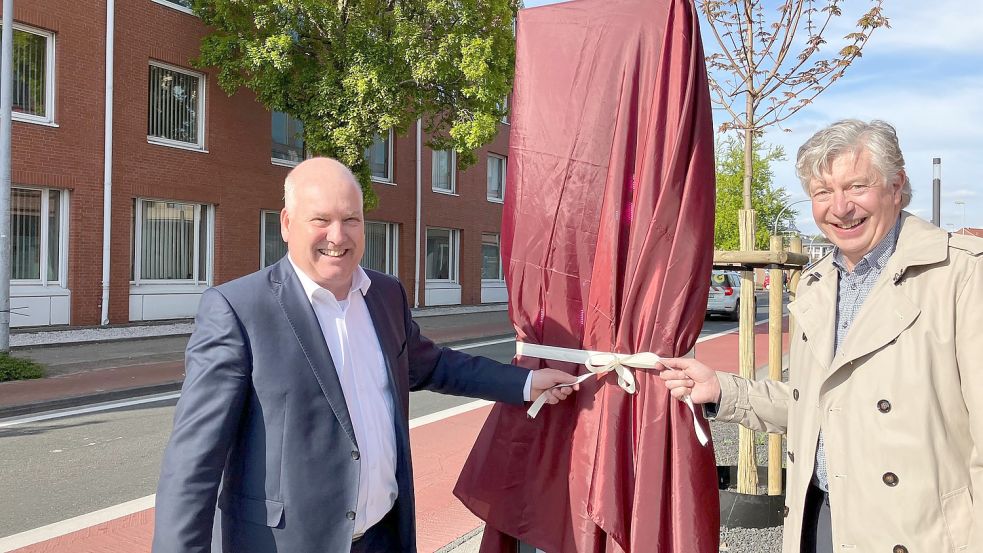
x=883, y=406
x=791, y=456
x=900, y=549
x=355, y=454
x=785, y=512
x=795, y=394
x=804, y=339
x=890, y=479
x=350, y=515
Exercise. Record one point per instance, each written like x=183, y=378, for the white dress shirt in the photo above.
x=357, y=356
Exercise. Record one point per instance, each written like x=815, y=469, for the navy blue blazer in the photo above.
x=262, y=412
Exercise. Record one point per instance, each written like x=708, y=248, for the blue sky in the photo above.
x=924, y=75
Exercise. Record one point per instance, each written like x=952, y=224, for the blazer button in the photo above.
x=350, y=515
x=883, y=406
x=890, y=479
x=900, y=549
x=355, y=454
x=795, y=394
x=785, y=512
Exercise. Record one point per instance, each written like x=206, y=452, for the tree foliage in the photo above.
x=349, y=69
x=767, y=199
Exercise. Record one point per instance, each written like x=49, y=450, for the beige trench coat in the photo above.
x=901, y=405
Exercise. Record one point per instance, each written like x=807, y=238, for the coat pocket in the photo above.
x=957, y=509
x=257, y=511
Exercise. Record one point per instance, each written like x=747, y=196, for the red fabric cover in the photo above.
x=607, y=241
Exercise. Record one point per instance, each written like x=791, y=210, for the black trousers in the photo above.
x=382, y=537
x=817, y=530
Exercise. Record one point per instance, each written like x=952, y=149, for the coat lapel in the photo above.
x=387, y=342
x=300, y=314
x=814, y=312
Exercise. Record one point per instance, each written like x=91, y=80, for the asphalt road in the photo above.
x=64, y=467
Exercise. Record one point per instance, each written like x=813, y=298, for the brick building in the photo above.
x=193, y=177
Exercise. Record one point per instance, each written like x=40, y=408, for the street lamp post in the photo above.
x=962, y=203
x=774, y=227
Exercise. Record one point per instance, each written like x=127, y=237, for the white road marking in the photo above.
x=446, y=413
x=82, y=522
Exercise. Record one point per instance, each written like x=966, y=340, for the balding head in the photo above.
x=319, y=171
x=322, y=223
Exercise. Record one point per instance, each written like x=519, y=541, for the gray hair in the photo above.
x=852, y=136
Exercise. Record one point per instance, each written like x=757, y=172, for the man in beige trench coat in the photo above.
x=884, y=404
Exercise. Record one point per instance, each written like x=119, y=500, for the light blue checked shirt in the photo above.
x=852, y=292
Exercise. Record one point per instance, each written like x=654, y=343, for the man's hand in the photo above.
x=688, y=377
x=544, y=380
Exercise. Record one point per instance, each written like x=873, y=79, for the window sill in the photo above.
x=176, y=7
x=378, y=180
x=438, y=284
x=33, y=121
x=284, y=162
x=188, y=147
x=35, y=288
x=445, y=192
x=496, y=200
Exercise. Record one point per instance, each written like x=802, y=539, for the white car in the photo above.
x=725, y=294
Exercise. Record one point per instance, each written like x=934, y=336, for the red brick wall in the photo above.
x=234, y=173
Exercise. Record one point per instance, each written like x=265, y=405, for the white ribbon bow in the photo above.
x=600, y=363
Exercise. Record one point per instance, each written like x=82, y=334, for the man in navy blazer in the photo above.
x=293, y=418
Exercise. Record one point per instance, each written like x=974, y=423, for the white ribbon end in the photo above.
x=700, y=433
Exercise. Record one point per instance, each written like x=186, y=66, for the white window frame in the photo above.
x=63, y=220
x=433, y=172
x=454, y=271
x=175, y=6
x=392, y=246
x=505, y=163
x=200, y=146
x=501, y=271
x=286, y=162
x=505, y=108
x=389, y=178
x=262, y=234
x=201, y=210
x=49, y=80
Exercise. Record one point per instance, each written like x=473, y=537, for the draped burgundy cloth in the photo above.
x=607, y=240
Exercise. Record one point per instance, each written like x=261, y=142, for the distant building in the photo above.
x=971, y=231
x=195, y=178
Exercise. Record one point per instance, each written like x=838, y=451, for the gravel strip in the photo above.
x=98, y=334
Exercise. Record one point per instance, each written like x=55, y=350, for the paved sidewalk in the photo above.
x=93, y=365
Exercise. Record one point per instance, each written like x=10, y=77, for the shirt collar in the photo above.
x=360, y=282
x=878, y=255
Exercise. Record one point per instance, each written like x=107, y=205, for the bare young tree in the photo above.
x=773, y=60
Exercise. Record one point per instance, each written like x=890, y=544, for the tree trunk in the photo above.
x=747, y=465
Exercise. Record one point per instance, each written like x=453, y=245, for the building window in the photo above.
x=503, y=107
x=288, y=139
x=37, y=220
x=33, y=75
x=491, y=257
x=271, y=244
x=496, y=178
x=444, y=171
x=172, y=242
x=180, y=5
x=442, y=258
x=381, y=247
x=177, y=107
x=379, y=157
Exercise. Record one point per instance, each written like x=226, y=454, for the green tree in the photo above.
x=352, y=68
x=766, y=199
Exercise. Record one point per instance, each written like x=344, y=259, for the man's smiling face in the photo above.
x=323, y=224
x=853, y=205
